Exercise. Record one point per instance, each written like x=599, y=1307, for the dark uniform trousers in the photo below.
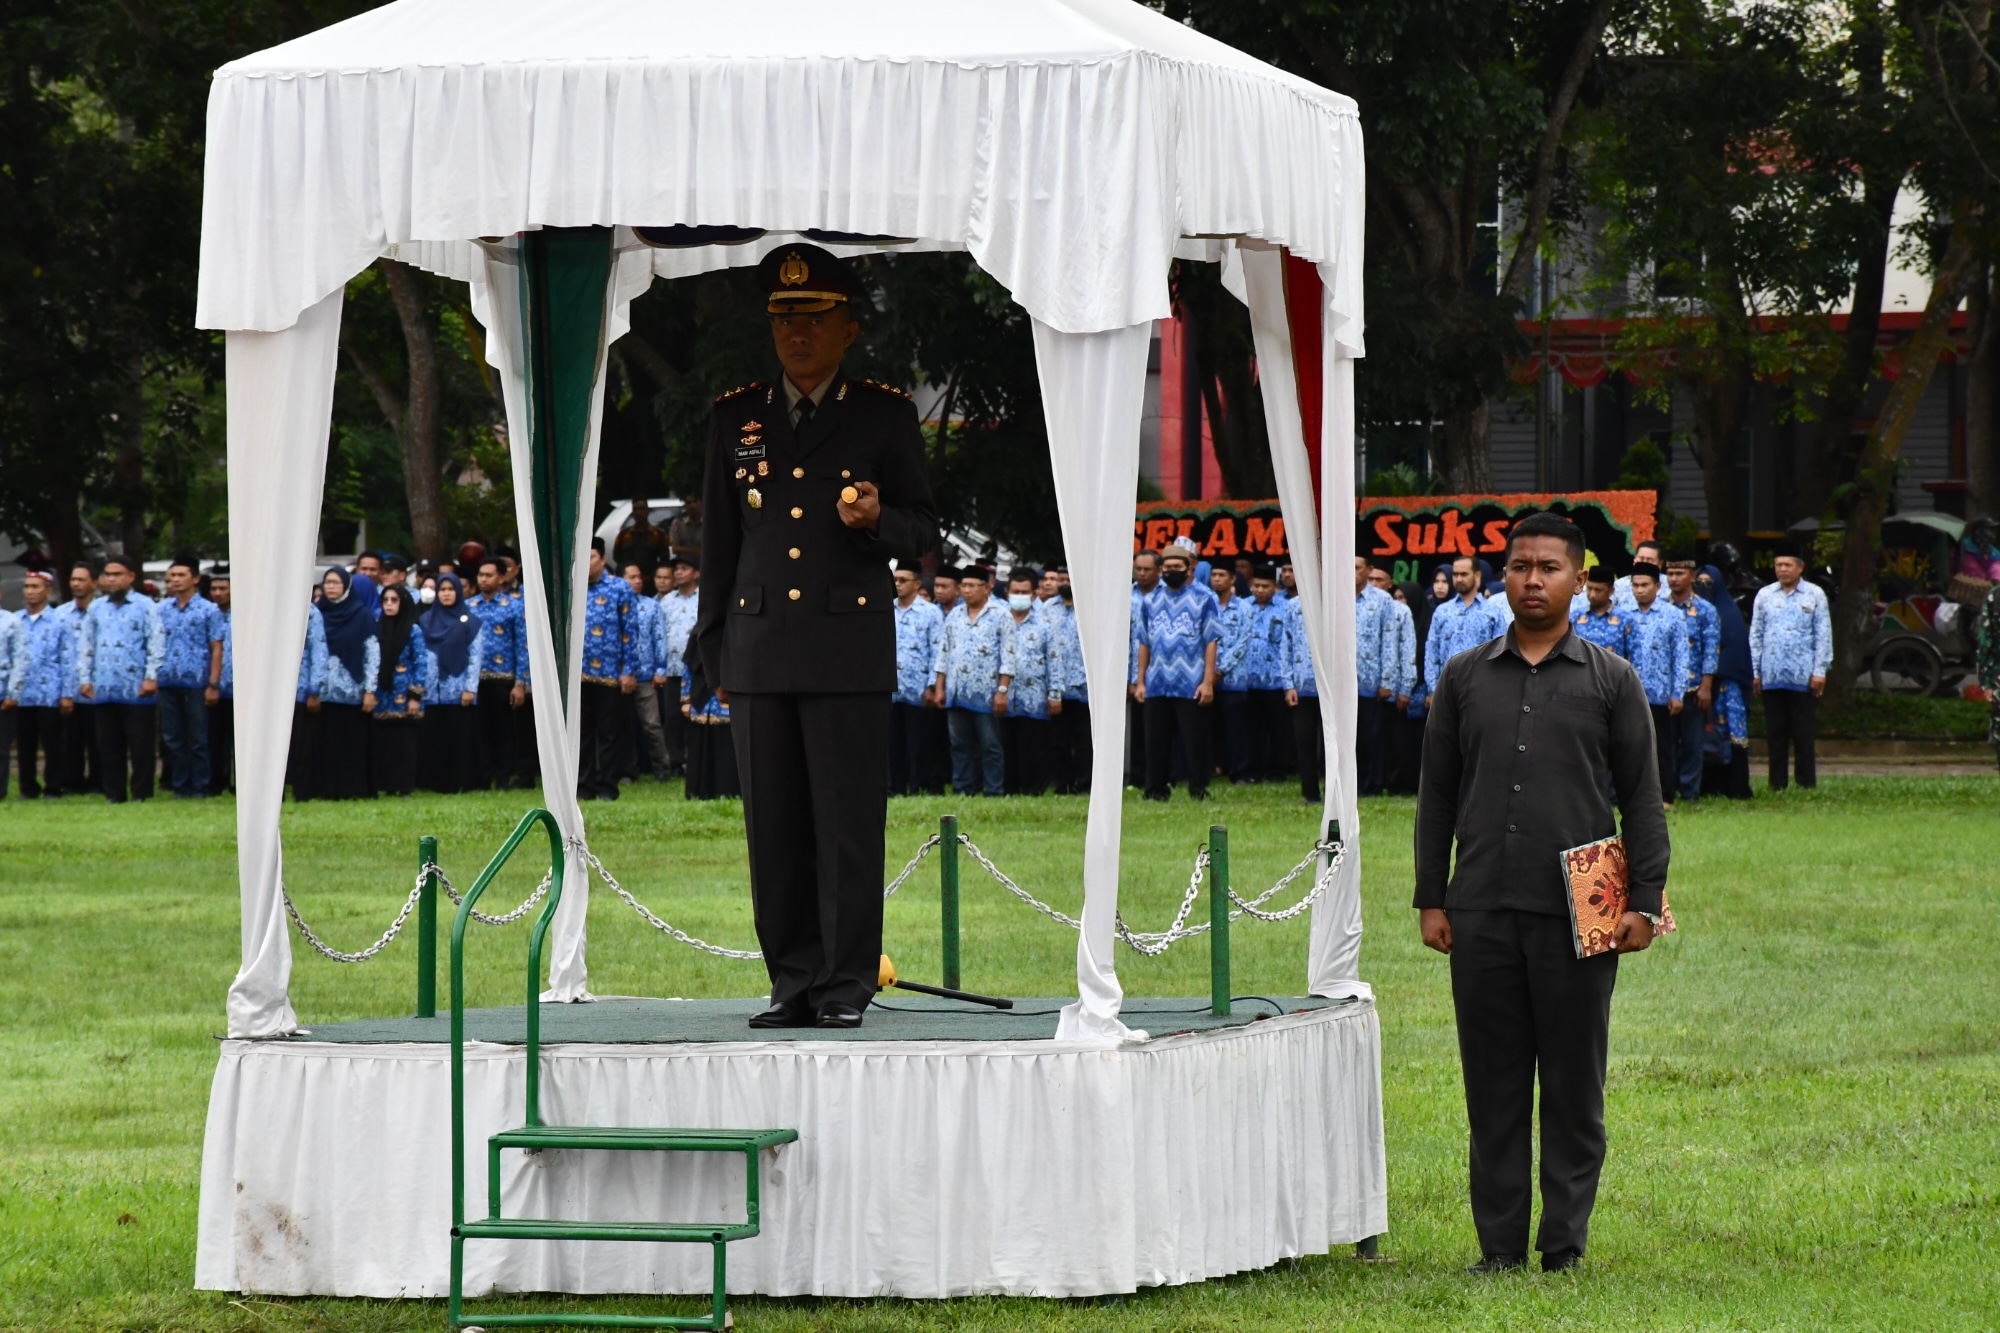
x=1070, y=750
x=1529, y=1010
x=816, y=889
x=1790, y=718
x=1664, y=723
x=605, y=719
x=909, y=749
x=82, y=769
x=1164, y=718
x=1308, y=745
x=40, y=728
x=496, y=730
x=126, y=734
x=1371, y=743
x=221, y=746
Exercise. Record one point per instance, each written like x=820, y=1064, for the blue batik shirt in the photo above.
x=503, y=649
x=968, y=656
x=1299, y=674
x=609, y=630
x=72, y=617
x=1140, y=601
x=1234, y=623
x=1374, y=642
x=1791, y=636
x=1032, y=661
x=189, y=632
x=1456, y=626
x=1704, y=630
x=13, y=658
x=1179, y=627
x=312, y=662
x=678, y=614
x=1404, y=684
x=415, y=677
x=227, y=685
x=1611, y=630
x=449, y=691
x=120, y=648
x=341, y=688
x=918, y=626
x=1061, y=620
x=48, y=659
x=1659, y=651
x=649, y=639
x=1264, y=655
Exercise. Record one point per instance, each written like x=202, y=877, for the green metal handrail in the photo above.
x=534, y=1009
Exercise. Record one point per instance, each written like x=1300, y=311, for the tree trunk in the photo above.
x=1982, y=401
x=1875, y=474
x=1832, y=455
x=1468, y=463
x=423, y=468
x=1719, y=408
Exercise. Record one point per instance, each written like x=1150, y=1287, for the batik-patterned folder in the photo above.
x=1595, y=876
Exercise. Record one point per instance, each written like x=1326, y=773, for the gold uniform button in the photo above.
x=861, y=601
x=798, y=512
x=795, y=594
x=794, y=553
x=743, y=601
x=799, y=473
x=845, y=474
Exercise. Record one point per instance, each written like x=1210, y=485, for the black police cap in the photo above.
x=805, y=280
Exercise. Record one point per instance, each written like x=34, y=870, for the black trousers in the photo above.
x=1027, y=740
x=1309, y=745
x=1270, y=736
x=1165, y=719
x=1135, y=743
x=1070, y=748
x=302, y=763
x=604, y=724
x=1790, y=719
x=125, y=740
x=909, y=748
x=221, y=746
x=1664, y=723
x=393, y=754
x=673, y=725
x=9, y=723
x=1530, y=1012
x=1372, y=720
x=527, y=749
x=1239, y=745
x=82, y=770
x=1406, y=752
x=40, y=728
x=811, y=766
x=496, y=732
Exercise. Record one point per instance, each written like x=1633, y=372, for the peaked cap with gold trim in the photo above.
x=805, y=280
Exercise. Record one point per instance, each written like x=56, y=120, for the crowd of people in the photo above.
x=418, y=677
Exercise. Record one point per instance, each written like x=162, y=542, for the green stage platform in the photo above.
x=627, y=1019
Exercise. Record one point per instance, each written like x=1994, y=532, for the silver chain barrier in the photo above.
x=506, y=919
x=321, y=947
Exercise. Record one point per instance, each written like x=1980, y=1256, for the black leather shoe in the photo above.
x=783, y=1016
x=1560, y=1261
x=1498, y=1263
x=838, y=1015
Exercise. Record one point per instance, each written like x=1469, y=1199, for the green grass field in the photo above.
x=1804, y=1090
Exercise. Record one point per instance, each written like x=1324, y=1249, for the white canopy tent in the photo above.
x=1072, y=147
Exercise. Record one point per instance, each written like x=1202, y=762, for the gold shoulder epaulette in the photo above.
x=885, y=388
x=741, y=388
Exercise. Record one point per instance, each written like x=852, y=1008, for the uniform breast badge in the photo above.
x=763, y=467
x=756, y=498
x=742, y=472
x=752, y=425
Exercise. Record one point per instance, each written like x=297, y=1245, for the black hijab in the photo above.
x=1733, y=661
x=394, y=632
x=349, y=620
x=449, y=631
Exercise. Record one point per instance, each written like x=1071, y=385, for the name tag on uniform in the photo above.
x=751, y=446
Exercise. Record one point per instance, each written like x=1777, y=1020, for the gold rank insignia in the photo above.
x=749, y=440
x=841, y=397
x=742, y=472
x=753, y=425
x=763, y=467
x=756, y=498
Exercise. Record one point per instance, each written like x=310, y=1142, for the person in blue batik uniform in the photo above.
x=1069, y=731
x=1302, y=698
x=680, y=607
x=1466, y=621
x=405, y=675
x=1264, y=677
x=1645, y=553
x=448, y=739
x=1399, y=744
x=1598, y=621
x=46, y=688
x=1030, y=688
x=911, y=744
x=82, y=770
x=1657, y=644
x=118, y=660
x=222, y=711
x=1704, y=631
x=967, y=672
x=1145, y=587
x=1231, y=716
x=644, y=746
x=302, y=763
x=190, y=679
x=1728, y=736
x=1375, y=678
x=347, y=695
x=13, y=673
x=503, y=672
x=1791, y=650
x=1177, y=649
x=610, y=665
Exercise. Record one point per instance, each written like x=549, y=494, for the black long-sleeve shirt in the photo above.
x=1523, y=762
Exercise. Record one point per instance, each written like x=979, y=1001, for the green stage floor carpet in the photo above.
x=905, y=1017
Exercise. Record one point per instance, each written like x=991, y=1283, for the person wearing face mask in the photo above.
x=118, y=660
x=1177, y=645
x=1031, y=685
x=967, y=672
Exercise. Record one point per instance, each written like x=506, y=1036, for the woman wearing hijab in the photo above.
x=352, y=656
x=1726, y=742
x=711, y=755
x=402, y=679
x=448, y=741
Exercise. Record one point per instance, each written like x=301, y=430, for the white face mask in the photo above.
x=1021, y=601
x=426, y=595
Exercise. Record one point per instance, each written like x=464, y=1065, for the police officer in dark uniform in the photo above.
x=815, y=482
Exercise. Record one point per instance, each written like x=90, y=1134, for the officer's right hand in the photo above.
x=1435, y=927
x=723, y=695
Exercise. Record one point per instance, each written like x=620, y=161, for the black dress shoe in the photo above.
x=837, y=1015
x=1498, y=1263
x=783, y=1016
x=1559, y=1261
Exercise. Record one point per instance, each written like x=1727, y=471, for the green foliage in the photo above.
x=1867, y=715
x=1402, y=479
x=1643, y=467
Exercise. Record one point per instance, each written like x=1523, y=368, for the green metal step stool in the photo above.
x=535, y=1136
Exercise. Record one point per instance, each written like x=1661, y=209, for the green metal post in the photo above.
x=427, y=921
x=948, y=896
x=1218, y=918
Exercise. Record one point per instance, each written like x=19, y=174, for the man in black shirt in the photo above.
x=1531, y=740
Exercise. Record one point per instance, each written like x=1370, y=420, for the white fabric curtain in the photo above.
x=1093, y=395
x=1322, y=549
x=280, y=404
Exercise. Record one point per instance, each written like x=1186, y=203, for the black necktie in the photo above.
x=805, y=413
